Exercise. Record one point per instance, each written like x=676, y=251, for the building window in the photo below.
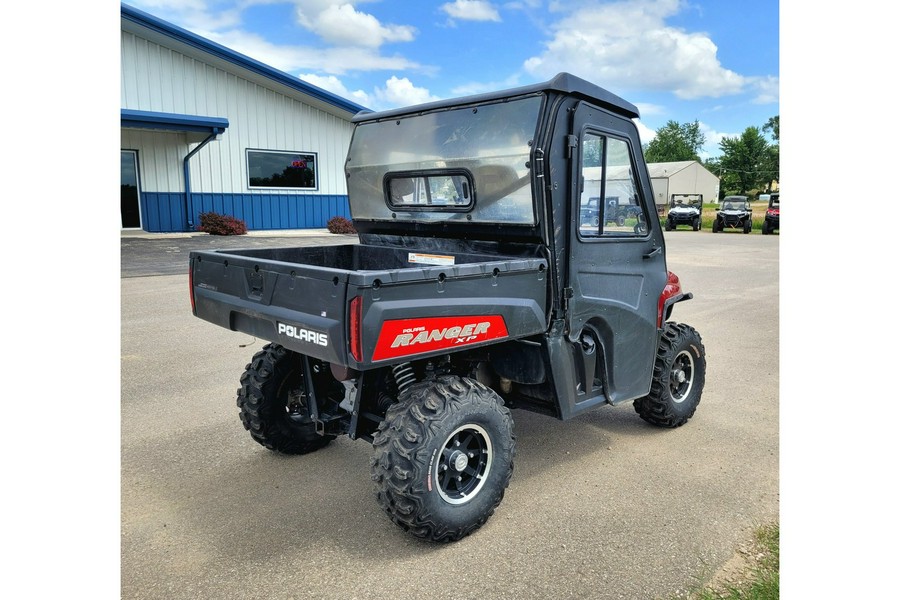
x=286, y=170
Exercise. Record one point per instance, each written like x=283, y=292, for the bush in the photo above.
x=340, y=225
x=216, y=224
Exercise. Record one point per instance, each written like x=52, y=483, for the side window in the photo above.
x=609, y=202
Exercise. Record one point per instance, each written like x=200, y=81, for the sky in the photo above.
x=715, y=62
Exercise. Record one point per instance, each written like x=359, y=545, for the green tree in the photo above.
x=746, y=161
x=772, y=127
x=675, y=142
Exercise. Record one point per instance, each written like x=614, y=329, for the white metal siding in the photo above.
x=160, y=156
x=155, y=78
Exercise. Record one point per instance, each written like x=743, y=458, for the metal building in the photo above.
x=205, y=129
x=684, y=177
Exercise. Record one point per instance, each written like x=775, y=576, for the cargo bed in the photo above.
x=365, y=306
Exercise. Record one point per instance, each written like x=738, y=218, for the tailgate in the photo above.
x=303, y=307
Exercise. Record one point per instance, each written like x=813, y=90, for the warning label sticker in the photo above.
x=431, y=259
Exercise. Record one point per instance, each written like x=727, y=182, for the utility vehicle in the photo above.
x=735, y=214
x=475, y=288
x=684, y=209
x=773, y=214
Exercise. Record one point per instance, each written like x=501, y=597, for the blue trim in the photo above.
x=145, y=119
x=177, y=33
x=165, y=212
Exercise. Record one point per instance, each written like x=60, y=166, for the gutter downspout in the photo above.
x=188, y=198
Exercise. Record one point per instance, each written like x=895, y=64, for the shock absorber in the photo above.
x=403, y=377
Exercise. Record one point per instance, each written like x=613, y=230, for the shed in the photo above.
x=206, y=129
x=682, y=177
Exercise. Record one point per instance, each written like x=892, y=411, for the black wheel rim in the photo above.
x=464, y=463
x=681, y=376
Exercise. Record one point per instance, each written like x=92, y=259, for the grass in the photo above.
x=760, y=582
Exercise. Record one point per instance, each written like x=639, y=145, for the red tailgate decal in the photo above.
x=404, y=337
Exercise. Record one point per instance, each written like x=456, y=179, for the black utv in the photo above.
x=476, y=289
x=735, y=214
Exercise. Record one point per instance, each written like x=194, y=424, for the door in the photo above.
x=617, y=264
x=131, y=206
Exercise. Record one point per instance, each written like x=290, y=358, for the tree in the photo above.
x=676, y=142
x=747, y=160
x=772, y=126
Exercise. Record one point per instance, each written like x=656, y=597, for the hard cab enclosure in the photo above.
x=468, y=220
x=476, y=286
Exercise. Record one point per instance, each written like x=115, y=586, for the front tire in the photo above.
x=696, y=224
x=678, y=377
x=748, y=225
x=443, y=458
x=273, y=402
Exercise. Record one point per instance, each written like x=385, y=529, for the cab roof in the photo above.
x=564, y=83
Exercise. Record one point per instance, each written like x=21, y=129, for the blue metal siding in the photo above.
x=165, y=212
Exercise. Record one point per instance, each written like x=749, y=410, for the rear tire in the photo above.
x=678, y=377
x=443, y=458
x=273, y=403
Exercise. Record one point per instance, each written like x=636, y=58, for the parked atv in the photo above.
x=773, y=215
x=734, y=214
x=684, y=209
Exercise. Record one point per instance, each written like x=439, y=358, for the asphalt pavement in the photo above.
x=600, y=507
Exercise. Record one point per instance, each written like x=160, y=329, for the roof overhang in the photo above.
x=145, y=119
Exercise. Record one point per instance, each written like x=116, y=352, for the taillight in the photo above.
x=673, y=288
x=356, y=328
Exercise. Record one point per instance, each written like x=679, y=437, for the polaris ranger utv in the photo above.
x=475, y=288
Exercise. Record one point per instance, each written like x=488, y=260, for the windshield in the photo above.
x=467, y=164
x=734, y=203
x=685, y=202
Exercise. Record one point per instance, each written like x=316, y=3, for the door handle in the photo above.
x=653, y=252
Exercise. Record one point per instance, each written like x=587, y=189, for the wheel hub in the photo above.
x=459, y=460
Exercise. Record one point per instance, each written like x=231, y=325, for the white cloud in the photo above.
x=767, y=89
x=333, y=61
x=646, y=134
x=336, y=86
x=401, y=92
x=623, y=45
x=338, y=22
x=471, y=10
x=475, y=87
x=647, y=109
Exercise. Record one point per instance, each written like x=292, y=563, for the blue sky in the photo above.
x=711, y=61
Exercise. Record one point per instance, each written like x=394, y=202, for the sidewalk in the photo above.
x=140, y=233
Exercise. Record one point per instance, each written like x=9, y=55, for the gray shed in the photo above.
x=683, y=177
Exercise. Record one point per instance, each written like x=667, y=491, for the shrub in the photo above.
x=216, y=224
x=340, y=225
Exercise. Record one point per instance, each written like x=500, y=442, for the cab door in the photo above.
x=616, y=268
